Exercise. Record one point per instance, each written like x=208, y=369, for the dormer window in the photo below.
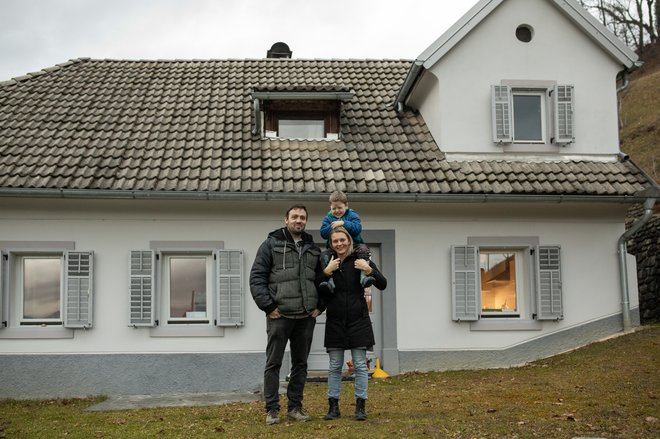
x=298, y=114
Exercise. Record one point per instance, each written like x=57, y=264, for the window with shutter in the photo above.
x=229, y=289
x=141, y=289
x=549, y=291
x=465, y=283
x=79, y=286
x=532, y=112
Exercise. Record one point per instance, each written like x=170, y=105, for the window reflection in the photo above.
x=188, y=287
x=41, y=288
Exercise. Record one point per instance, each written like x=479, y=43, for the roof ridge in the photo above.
x=43, y=71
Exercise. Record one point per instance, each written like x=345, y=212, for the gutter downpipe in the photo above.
x=623, y=266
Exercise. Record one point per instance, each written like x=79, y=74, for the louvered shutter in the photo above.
x=465, y=283
x=548, y=284
x=3, y=289
x=229, y=287
x=563, y=114
x=79, y=281
x=502, y=108
x=141, y=289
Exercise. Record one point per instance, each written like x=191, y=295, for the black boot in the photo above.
x=360, y=411
x=333, y=409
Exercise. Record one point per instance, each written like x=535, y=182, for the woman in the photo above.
x=347, y=320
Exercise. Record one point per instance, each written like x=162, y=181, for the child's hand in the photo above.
x=336, y=224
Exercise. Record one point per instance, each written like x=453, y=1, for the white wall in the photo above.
x=454, y=95
x=424, y=233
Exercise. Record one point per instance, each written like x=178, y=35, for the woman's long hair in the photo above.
x=345, y=232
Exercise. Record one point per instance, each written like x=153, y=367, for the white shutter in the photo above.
x=563, y=114
x=3, y=288
x=502, y=108
x=229, y=287
x=465, y=283
x=79, y=283
x=548, y=283
x=142, y=283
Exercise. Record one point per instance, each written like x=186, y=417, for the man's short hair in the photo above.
x=296, y=206
x=338, y=196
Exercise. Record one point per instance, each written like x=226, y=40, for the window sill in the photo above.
x=506, y=325
x=36, y=333
x=179, y=331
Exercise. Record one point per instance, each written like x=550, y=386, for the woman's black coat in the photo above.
x=347, y=316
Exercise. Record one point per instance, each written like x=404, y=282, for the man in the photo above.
x=283, y=282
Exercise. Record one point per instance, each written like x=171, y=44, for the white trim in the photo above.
x=530, y=158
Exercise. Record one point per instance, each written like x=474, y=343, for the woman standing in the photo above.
x=347, y=320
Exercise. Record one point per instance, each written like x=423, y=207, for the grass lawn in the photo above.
x=609, y=389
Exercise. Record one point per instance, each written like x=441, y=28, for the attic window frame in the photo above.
x=274, y=107
x=325, y=110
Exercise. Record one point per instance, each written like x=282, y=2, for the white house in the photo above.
x=134, y=195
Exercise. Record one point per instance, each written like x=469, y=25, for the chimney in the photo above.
x=279, y=50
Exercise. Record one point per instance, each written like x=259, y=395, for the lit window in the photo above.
x=499, y=288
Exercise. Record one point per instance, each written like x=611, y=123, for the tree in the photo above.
x=635, y=22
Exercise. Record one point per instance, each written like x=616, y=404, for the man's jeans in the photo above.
x=361, y=372
x=299, y=333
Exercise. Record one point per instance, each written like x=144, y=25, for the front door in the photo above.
x=318, y=358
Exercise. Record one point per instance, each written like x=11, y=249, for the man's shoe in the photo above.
x=360, y=410
x=272, y=417
x=297, y=414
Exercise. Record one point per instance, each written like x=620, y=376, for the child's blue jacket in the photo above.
x=352, y=223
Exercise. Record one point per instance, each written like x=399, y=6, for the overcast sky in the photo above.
x=35, y=34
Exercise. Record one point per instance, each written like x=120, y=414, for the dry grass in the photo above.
x=640, y=117
x=608, y=390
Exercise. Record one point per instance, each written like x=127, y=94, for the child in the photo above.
x=341, y=216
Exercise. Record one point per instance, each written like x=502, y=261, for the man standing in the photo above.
x=283, y=282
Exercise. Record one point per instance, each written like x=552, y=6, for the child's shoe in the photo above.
x=367, y=281
x=326, y=288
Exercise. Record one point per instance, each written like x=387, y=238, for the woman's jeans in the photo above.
x=361, y=372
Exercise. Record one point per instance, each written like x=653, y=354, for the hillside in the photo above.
x=640, y=114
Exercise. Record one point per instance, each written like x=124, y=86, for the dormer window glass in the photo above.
x=301, y=128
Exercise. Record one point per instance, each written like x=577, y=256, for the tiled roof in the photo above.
x=186, y=126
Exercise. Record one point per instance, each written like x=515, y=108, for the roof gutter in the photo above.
x=311, y=196
x=408, y=84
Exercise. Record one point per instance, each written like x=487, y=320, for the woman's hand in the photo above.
x=333, y=265
x=363, y=265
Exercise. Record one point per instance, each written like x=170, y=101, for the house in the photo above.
x=134, y=195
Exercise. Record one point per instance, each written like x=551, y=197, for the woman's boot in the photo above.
x=360, y=411
x=333, y=409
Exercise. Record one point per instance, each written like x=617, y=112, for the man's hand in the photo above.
x=315, y=313
x=275, y=314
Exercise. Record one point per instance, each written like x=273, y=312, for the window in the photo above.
x=299, y=114
x=302, y=119
x=527, y=112
x=186, y=287
x=46, y=288
x=493, y=281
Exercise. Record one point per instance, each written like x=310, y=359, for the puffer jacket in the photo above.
x=283, y=278
x=347, y=316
